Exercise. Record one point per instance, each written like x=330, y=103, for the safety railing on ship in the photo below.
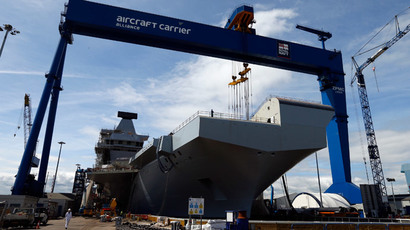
x=223, y=116
x=109, y=168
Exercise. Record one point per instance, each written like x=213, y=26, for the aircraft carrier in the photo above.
x=225, y=160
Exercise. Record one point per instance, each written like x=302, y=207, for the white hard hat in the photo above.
x=69, y=209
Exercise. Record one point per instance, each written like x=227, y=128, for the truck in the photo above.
x=108, y=210
x=24, y=217
x=41, y=215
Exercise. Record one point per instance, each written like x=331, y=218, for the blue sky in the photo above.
x=166, y=87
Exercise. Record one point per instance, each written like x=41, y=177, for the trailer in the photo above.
x=20, y=217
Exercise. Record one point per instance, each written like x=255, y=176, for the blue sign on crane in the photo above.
x=142, y=28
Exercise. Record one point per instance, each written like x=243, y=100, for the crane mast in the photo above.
x=27, y=118
x=374, y=155
x=27, y=124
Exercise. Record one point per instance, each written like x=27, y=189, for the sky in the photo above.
x=166, y=87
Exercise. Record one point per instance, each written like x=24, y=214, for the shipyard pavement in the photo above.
x=79, y=223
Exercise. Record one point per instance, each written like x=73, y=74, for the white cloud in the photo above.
x=39, y=73
x=64, y=181
x=270, y=22
x=6, y=182
x=53, y=159
x=393, y=146
x=274, y=22
x=90, y=131
x=125, y=94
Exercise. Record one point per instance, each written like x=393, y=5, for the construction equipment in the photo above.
x=27, y=128
x=26, y=111
x=78, y=186
x=374, y=155
x=322, y=35
x=138, y=27
x=27, y=118
x=109, y=209
x=241, y=20
x=24, y=217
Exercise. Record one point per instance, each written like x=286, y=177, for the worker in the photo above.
x=68, y=216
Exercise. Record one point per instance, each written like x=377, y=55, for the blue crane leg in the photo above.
x=333, y=93
x=20, y=186
x=50, y=124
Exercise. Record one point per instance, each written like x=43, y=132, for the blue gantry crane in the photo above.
x=234, y=43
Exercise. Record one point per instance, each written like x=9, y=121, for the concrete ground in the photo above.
x=79, y=223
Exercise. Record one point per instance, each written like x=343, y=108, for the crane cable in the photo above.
x=251, y=92
x=19, y=121
x=375, y=77
x=240, y=91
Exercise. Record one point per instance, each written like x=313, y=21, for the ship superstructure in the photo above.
x=116, y=146
x=112, y=174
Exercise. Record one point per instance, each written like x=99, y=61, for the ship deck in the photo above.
x=104, y=176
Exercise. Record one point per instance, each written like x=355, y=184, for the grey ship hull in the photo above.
x=227, y=162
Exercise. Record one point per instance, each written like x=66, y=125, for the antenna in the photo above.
x=126, y=115
x=323, y=36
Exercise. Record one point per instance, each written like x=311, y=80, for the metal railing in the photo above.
x=111, y=168
x=222, y=116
